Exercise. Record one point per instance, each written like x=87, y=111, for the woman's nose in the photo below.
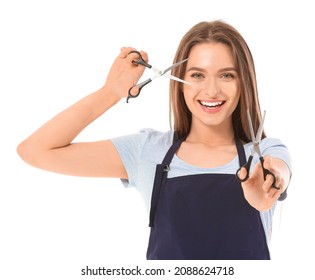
x=211, y=88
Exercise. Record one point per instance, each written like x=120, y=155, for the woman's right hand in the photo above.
x=124, y=74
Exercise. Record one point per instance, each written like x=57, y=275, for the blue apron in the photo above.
x=204, y=216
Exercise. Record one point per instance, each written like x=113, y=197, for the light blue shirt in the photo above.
x=141, y=152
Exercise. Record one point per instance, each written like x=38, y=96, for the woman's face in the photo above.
x=214, y=91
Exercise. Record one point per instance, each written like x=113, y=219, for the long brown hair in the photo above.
x=221, y=32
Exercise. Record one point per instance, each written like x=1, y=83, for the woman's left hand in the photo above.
x=259, y=193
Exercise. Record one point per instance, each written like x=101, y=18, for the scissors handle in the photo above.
x=268, y=172
x=247, y=167
x=140, y=60
x=139, y=86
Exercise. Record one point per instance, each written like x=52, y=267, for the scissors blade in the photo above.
x=260, y=129
x=159, y=73
x=250, y=124
x=256, y=149
x=169, y=76
x=174, y=65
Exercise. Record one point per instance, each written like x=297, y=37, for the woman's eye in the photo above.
x=197, y=76
x=227, y=76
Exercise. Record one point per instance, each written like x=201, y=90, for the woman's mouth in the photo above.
x=211, y=106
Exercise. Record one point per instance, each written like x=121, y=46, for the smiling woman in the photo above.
x=236, y=55
x=214, y=86
x=198, y=209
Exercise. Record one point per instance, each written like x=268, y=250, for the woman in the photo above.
x=198, y=210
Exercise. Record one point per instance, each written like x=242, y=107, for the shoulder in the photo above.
x=146, y=140
x=148, y=136
x=158, y=138
x=140, y=152
x=156, y=145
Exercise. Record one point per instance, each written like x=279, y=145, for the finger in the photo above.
x=124, y=51
x=268, y=167
x=268, y=183
x=271, y=188
x=132, y=56
x=281, y=185
x=267, y=162
x=145, y=56
x=277, y=181
x=134, y=91
x=242, y=173
x=274, y=193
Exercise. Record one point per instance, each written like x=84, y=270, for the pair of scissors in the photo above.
x=256, y=141
x=157, y=73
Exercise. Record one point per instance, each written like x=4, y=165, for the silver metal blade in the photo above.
x=159, y=73
x=257, y=149
x=174, y=65
x=176, y=79
x=261, y=128
x=250, y=124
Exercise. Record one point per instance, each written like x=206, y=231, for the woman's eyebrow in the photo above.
x=228, y=69
x=194, y=68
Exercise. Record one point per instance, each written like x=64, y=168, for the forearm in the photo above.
x=64, y=127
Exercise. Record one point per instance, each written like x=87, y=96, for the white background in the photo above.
x=52, y=53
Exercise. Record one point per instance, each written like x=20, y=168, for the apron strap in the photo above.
x=240, y=151
x=171, y=152
x=160, y=177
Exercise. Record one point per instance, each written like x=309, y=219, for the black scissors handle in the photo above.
x=139, y=61
x=139, y=86
x=265, y=172
x=247, y=167
x=268, y=172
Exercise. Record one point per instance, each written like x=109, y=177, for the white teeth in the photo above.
x=211, y=104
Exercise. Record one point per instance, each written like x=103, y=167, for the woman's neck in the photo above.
x=219, y=135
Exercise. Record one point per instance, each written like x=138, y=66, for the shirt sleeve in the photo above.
x=130, y=148
x=275, y=148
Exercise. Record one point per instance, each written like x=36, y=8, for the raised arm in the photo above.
x=51, y=147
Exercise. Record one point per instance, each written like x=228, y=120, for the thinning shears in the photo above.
x=157, y=73
x=256, y=141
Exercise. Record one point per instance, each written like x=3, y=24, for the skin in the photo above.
x=210, y=142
